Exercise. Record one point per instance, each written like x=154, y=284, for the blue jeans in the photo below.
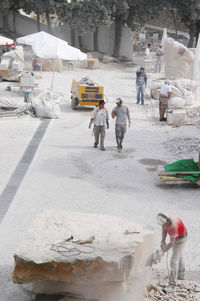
x=140, y=93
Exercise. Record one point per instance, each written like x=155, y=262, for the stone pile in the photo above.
x=186, y=290
x=183, y=146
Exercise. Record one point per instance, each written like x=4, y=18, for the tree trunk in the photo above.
x=192, y=32
x=48, y=22
x=5, y=20
x=38, y=21
x=14, y=23
x=174, y=19
x=73, y=40
x=197, y=33
x=96, y=39
x=118, y=35
x=80, y=43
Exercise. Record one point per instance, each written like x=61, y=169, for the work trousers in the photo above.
x=177, y=264
x=120, y=130
x=140, y=93
x=99, y=131
x=163, y=101
x=158, y=64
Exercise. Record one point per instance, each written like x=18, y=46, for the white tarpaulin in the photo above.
x=47, y=46
x=4, y=40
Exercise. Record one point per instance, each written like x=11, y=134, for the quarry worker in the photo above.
x=159, y=54
x=121, y=113
x=147, y=50
x=165, y=92
x=141, y=83
x=174, y=227
x=100, y=119
x=35, y=64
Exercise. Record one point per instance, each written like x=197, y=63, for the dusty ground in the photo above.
x=68, y=173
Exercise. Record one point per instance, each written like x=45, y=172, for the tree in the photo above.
x=5, y=5
x=83, y=16
x=189, y=11
x=130, y=12
x=40, y=7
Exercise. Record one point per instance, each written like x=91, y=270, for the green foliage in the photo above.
x=83, y=16
x=188, y=10
x=5, y=4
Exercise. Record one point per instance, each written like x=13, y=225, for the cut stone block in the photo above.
x=176, y=117
x=176, y=103
x=119, y=249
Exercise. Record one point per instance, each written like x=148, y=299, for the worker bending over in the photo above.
x=165, y=92
x=177, y=231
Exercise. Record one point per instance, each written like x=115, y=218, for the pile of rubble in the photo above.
x=183, y=145
x=186, y=290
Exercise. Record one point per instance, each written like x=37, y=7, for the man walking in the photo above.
x=122, y=114
x=141, y=83
x=165, y=92
x=159, y=54
x=100, y=119
x=174, y=227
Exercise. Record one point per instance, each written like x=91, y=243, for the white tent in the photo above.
x=47, y=46
x=4, y=40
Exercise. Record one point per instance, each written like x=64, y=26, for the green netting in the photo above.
x=184, y=165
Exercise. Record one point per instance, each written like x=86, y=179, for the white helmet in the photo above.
x=163, y=219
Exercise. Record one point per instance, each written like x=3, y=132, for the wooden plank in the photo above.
x=172, y=179
x=165, y=173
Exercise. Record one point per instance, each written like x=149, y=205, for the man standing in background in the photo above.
x=147, y=50
x=122, y=114
x=159, y=54
x=141, y=83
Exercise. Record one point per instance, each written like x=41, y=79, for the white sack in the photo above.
x=176, y=103
x=46, y=105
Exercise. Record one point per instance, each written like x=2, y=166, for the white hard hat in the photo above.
x=163, y=219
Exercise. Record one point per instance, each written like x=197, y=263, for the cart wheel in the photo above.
x=74, y=103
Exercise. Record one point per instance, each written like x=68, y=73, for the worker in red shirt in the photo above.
x=177, y=232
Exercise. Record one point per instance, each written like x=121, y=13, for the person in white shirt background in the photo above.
x=159, y=54
x=147, y=50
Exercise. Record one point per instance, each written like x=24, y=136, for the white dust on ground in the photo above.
x=67, y=173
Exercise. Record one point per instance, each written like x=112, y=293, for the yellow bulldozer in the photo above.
x=85, y=93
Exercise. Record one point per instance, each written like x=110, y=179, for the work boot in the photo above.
x=163, y=119
x=170, y=289
x=102, y=148
x=181, y=277
x=95, y=145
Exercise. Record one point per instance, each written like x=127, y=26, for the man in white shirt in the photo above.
x=100, y=119
x=165, y=92
x=147, y=50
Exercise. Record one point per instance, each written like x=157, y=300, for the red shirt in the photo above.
x=176, y=228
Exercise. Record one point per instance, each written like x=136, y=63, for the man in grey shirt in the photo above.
x=122, y=114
